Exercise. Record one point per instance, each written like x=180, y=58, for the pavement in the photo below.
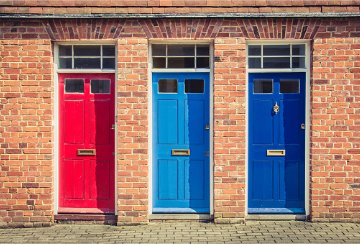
x=189, y=232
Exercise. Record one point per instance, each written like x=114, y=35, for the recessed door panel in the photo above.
x=194, y=115
x=181, y=127
x=194, y=175
x=100, y=172
x=263, y=133
x=86, y=165
x=74, y=111
x=276, y=143
x=100, y=115
x=167, y=121
x=75, y=183
x=291, y=121
x=263, y=180
x=168, y=179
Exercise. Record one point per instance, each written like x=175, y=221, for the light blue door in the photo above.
x=181, y=128
x=276, y=143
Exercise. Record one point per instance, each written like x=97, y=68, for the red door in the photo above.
x=86, y=143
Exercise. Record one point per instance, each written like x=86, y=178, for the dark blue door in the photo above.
x=181, y=129
x=276, y=143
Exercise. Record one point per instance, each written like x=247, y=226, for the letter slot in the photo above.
x=275, y=152
x=86, y=152
x=180, y=152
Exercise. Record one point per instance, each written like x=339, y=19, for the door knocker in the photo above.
x=276, y=108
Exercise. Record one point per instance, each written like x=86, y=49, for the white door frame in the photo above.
x=307, y=112
x=56, y=121
x=150, y=111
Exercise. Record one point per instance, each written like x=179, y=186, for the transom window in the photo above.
x=276, y=56
x=87, y=57
x=176, y=56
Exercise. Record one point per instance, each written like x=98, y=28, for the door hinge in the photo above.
x=207, y=154
x=113, y=127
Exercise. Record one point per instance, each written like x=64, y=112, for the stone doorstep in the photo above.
x=277, y=217
x=72, y=218
x=180, y=217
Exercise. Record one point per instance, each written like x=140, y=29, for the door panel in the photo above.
x=74, y=111
x=75, y=185
x=181, y=122
x=264, y=171
x=100, y=171
x=100, y=109
x=195, y=172
x=276, y=112
x=167, y=121
x=168, y=179
x=86, y=111
x=263, y=134
x=195, y=116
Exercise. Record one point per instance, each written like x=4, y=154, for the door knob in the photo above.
x=302, y=126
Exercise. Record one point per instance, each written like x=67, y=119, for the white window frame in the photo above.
x=210, y=56
x=276, y=43
x=82, y=70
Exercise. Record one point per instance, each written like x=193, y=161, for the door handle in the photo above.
x=86, y=152
x=275, y=152
x=180, y=152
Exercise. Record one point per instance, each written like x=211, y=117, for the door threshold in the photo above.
x=194, y=217
x=277, y=217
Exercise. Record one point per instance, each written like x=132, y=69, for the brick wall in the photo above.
x=229, y=129
x=335, y=137
x=132, y=134
x=26, y=133
x=26, y=94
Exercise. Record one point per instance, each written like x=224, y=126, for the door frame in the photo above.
x=150, y=113
x=56, y=115
x=307, y=112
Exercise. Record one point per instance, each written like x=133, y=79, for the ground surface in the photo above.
x=251, y=232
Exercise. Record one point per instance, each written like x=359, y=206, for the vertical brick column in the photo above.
x=335, y=125
x=229, y=129
x=132, y=134
x=26, y=105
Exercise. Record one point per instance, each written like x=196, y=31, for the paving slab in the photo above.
x=250, y=232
